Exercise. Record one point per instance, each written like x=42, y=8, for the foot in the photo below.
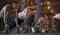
x=18, y=29
x=6, y=29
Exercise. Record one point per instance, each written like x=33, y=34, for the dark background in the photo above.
x=2, y=3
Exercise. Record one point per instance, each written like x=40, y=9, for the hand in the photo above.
x=17, y=26
x=6, y=25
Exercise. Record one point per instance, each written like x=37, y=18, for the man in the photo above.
x=4, y=19
x=43, y=22
x=21, y=17
x=40, y=23
x=11, y=17
x=28, y=15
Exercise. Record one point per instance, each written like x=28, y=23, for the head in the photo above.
x=18, y=5
x=15, y=4
x=32, y=8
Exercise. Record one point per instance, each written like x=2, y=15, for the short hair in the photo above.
x=15, y=1
x=29, y=4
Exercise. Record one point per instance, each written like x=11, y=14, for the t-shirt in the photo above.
x=21, y=15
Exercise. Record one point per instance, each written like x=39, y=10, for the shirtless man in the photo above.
x=43, y=22
x=11, y=17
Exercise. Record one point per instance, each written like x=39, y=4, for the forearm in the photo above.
x=5, y=18
x=16, y=18
x=25, y=20
x=16, y=21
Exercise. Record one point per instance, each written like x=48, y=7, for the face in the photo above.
x=33, y=9
x=14, y=5
x=18, y=6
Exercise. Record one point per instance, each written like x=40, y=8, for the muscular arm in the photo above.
x=5, y=17
x=16, y=17
x=26, y=15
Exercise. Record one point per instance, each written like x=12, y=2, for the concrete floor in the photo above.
x=54, y=33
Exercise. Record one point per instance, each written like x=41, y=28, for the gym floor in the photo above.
x=52, y=33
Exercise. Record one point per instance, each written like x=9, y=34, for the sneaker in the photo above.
x=33, y=30
x=18, y=30
x=43, y=31
x=26, y=29
x=6, y=29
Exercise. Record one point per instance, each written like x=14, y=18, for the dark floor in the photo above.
x=30, y=33
x=13, y=33
x=55, y=33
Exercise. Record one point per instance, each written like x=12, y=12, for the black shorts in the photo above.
x=20, y=21
x=13, y=24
